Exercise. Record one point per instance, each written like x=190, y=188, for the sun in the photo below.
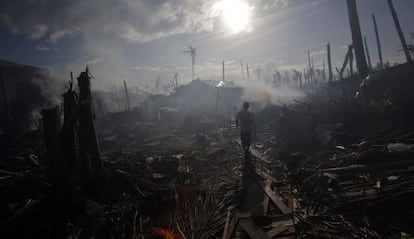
x=236, y=15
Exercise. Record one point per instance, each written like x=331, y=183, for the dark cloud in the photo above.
x=134, y=20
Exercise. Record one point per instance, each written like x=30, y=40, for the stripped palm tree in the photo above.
x=192, y=51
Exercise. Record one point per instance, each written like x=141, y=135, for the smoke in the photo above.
x=51, y=90
x=266, y=94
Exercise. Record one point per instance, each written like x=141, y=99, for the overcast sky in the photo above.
x=138, y=40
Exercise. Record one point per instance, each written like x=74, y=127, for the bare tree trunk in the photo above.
x=328, y=50
x=351, y=60
x=310, y=70
x=192, y=66
x=357, y=39
x=323, y=71
x=127, y=96
x=400, y=33
x=247, y=70
x=368, y=55
x=378, y=41
x=223, y=71
x=242, y=69
x=91, y=164
x=67, y=134
x=347, y=58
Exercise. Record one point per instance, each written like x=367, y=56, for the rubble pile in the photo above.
x=350, y=164
x=23, y=188
x=326, y=166
x=188, y=189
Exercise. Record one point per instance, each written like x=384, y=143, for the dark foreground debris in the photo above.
x=327, y=166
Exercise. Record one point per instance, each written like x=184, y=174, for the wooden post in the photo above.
x=368, y=55
x=400, y=33
x=91, y=164
x=6, y=100
x=357, y=39
x=127, y=96
x=328, y=50
x=378, y=42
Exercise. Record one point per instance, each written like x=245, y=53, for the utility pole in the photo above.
x=357, y=39
x=378, y=41
x=400, y=33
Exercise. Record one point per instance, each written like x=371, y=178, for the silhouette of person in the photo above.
x=245, y=119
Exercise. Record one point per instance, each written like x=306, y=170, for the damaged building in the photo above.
x=23, y=95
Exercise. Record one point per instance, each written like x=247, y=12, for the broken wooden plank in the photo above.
x=276, y=231
x=255, y=200
x=266, y=176
x=265, y=202
x=284, y=223
x=276, y=199
x=10, y=173
x=252, y=230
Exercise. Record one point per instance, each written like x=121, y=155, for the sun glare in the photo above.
x=236, y=15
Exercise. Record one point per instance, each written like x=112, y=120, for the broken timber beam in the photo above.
x=276, y=199
x=252, y=230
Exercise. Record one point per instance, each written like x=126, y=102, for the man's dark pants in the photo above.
x=246, y=139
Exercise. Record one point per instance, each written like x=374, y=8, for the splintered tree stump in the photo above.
x=67, y=134
x=91, y=168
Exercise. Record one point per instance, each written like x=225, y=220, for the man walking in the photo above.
x=247, y=127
